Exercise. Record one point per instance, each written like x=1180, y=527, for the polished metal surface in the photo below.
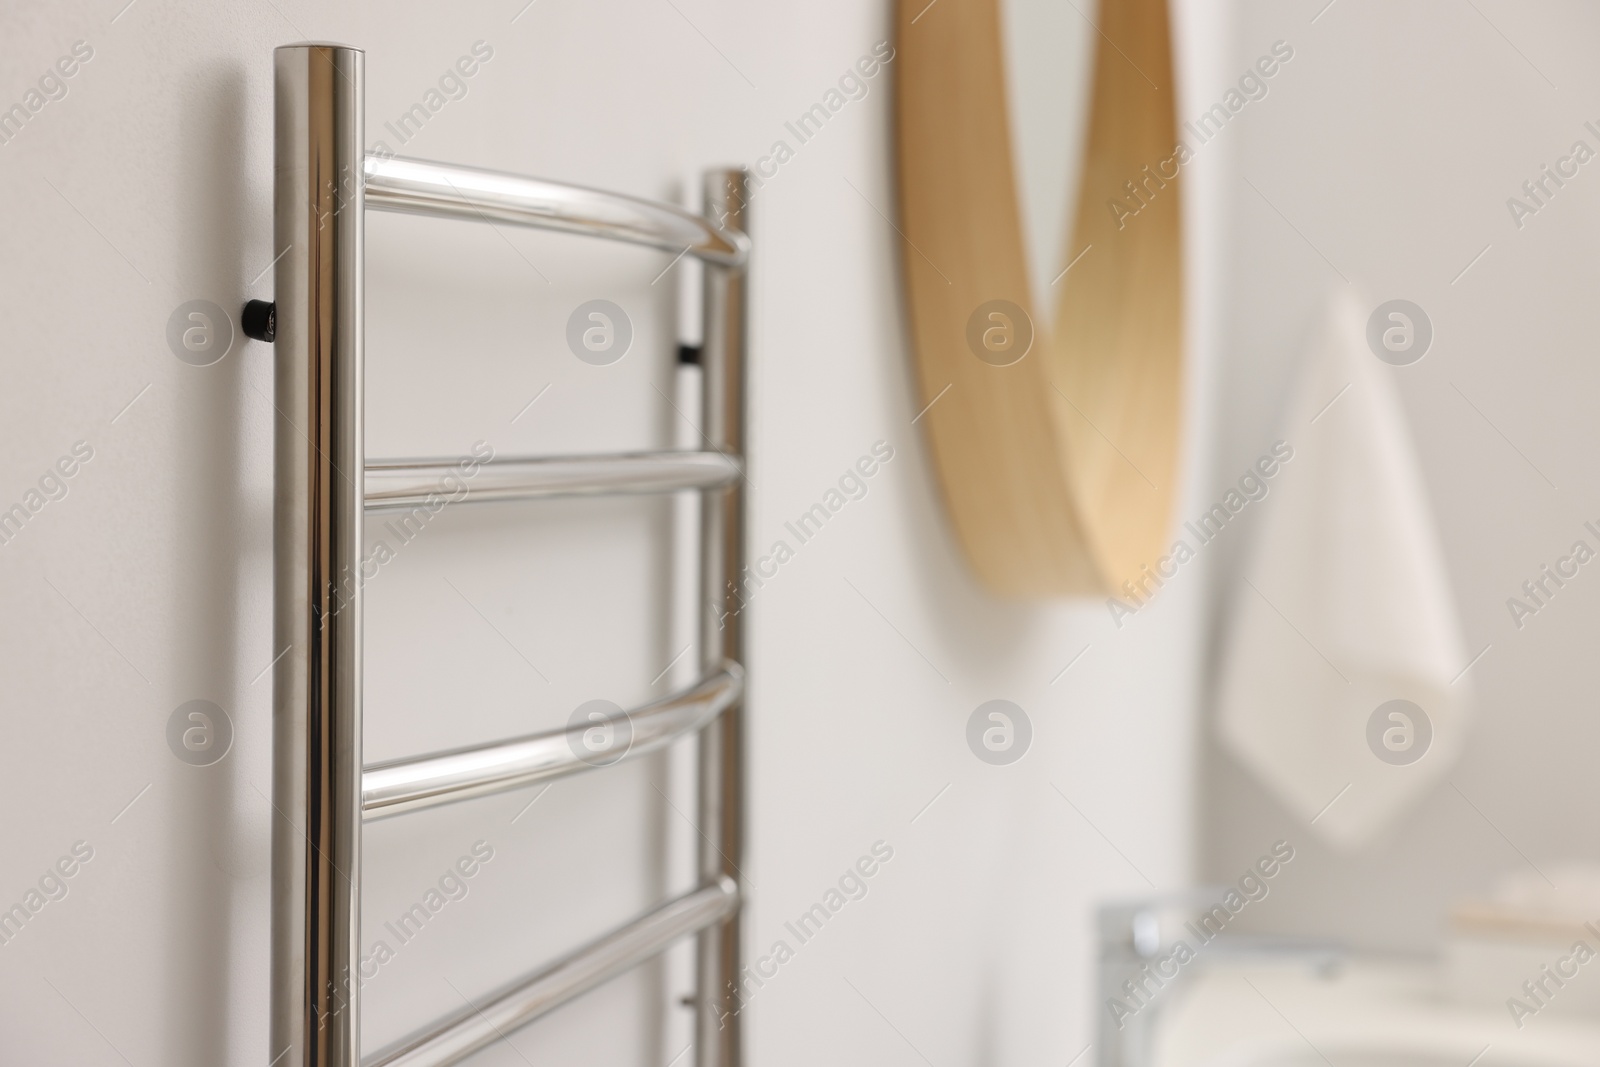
x=442, y=778
x=398, y=484
x=417, y=187
x=317, y=516
x=1139, y=936
x=487, y=1020
x=719, y=1028
x=323, y=184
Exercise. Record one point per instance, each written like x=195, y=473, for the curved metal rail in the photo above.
x=445, y=777
x=418, y=187
x=392, y=484
x=458, y=1036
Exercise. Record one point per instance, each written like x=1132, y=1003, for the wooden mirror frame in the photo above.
x=1057, y=470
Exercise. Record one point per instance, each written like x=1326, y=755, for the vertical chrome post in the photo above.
x=718, y=1032
x=316, y=756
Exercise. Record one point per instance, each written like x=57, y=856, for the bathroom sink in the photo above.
x=1364, y=1013
x=1366, y=1057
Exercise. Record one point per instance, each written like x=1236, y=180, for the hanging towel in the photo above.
x=1345, y=612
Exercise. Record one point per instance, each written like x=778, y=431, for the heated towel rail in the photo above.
x=324, y=184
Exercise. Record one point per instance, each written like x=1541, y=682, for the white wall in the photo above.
x=149, y=585
x=1392, y=143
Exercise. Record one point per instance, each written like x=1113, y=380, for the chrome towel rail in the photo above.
x=415, y=187
x=473, y=1027
x=395, y=484
x=324, y=183
x=400, y=786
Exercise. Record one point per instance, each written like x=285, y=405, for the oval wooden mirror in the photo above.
x=1055, y=441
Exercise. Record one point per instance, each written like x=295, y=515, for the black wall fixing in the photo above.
x=260, y=320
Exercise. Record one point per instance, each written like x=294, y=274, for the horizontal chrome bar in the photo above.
x=392, y=484
x=454, y=1038
x=399, y=786
x=417, y=187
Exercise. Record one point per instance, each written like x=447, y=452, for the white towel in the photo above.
x=1345, y=606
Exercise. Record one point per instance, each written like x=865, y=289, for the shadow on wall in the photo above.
x=211, y=496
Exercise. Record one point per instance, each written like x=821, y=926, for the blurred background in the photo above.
x=1170, y=748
